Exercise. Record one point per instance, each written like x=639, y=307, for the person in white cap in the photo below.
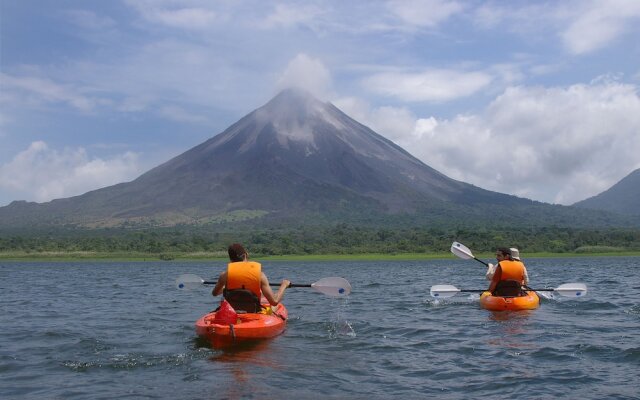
x=515, y=255
x=509, y=275
x=512, y=254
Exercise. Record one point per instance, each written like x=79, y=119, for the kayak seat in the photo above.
x=243, y=300
x=509, y=288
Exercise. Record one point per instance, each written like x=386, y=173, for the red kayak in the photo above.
x=246, y=326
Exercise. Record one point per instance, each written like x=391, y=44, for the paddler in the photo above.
x=510, y=274
x=243, y=283
x=514, y=254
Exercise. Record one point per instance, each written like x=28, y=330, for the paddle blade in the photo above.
x=572, y=289
x=443, y=291
x=333, y=286
x=461, y=251
x=188, y=281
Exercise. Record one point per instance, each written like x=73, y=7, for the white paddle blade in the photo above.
x=443, y=291
x=333, y=286
x=461, y=251
x=572, y=289
x=189, y=281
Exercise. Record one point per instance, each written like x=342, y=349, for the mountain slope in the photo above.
x=623, y=197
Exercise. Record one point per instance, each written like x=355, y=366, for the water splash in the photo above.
x=339, y=325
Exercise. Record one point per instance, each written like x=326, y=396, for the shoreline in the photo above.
x=187, y=257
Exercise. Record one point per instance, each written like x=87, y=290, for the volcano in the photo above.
x=294, y=158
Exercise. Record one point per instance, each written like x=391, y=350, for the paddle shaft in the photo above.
x=484, y=290
x=480, y=261
x=270, y=284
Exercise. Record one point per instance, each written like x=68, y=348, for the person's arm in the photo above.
x=268, y=293
x=496, y=278
x=491, y=269
x=222, y=281
x=526, y=276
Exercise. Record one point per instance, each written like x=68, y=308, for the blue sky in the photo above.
x=532, y=98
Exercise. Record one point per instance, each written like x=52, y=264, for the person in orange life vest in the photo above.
x=515, y=255
x=244, y=274
x=509, y=274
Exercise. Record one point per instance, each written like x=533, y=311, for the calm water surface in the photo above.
x=121, y=330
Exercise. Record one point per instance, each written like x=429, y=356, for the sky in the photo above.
x=537, y=99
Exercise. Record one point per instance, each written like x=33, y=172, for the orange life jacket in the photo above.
x=244, y=275
x=512, y=270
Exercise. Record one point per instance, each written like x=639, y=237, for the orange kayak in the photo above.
x=248, y=325
x=498, y=303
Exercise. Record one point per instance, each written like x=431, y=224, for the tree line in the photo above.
x=340, y=238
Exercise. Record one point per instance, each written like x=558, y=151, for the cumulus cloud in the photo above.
x=434, y=85
x=41, y=173
x=558, y=145
x=307, y=73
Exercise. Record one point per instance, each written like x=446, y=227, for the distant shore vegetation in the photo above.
x=341, y=241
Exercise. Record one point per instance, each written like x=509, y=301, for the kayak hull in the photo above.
x=248, y=326
x=497, y=303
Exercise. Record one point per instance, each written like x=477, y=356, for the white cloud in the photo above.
x=38, y=90
x=175, y=14
x=90, y=20
x=434, y=85
x=4, y=119
x=307, y=73
x=291, y=15
x=40, y=173
x=558, y=145
x=396, y=123
x=583, y=26
x=179, y=114
x=598, y=23
x=424, y=13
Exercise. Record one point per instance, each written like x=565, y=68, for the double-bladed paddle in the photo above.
x=567, y=290
x=332, y=286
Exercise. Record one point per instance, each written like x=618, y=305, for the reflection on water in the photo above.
x=243, y=361
x=510, y=329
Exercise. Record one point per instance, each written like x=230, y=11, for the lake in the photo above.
x=104, y=330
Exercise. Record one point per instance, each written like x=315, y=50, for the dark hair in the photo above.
x=505, y=251
x=236, y=252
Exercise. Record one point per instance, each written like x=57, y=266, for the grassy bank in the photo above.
x=214, y=256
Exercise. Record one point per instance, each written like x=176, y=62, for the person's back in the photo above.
x=509, y=275
x=243, y=283
x=515, y=255
x=242, y=289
